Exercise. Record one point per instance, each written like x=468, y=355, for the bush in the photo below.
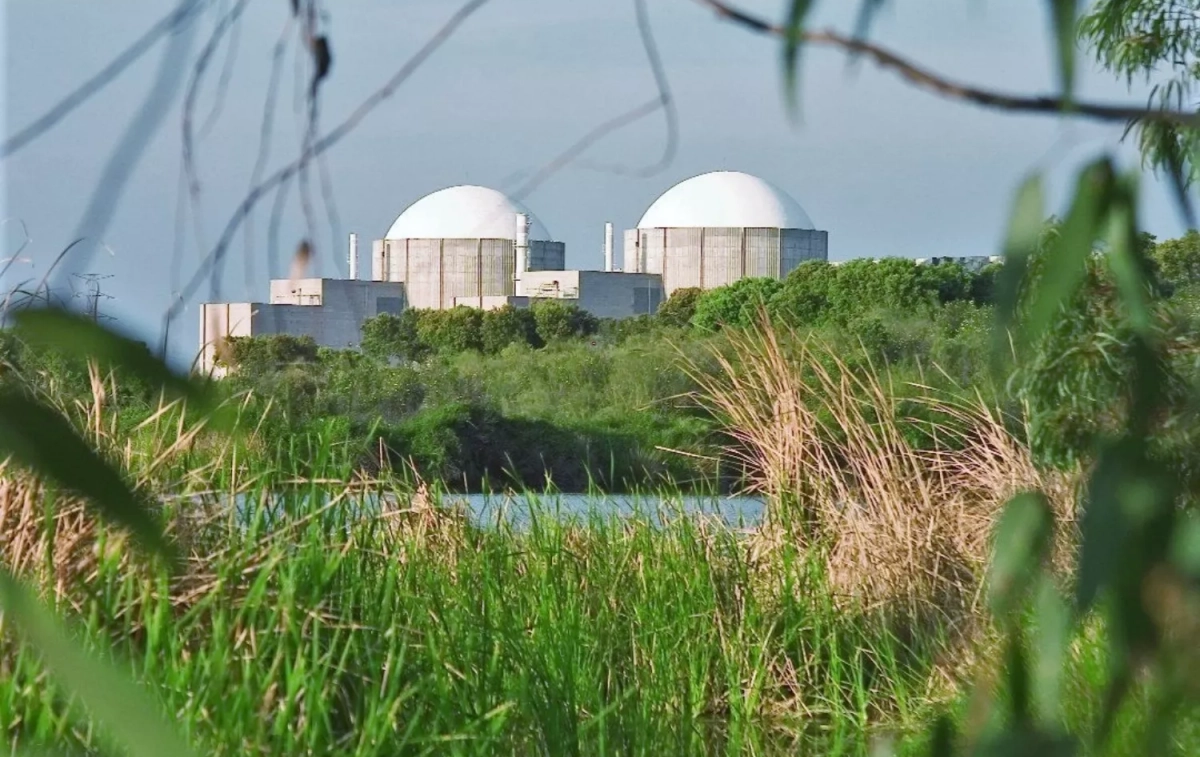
x=508, y=325
x=737, y=304
x=269, y=353
x=680, y=307
x=556, y=320
x=388, y=336
x=449, y=331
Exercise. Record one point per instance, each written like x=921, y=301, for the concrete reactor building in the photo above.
x=473, y=246
x=461, y=244
x=716, y=228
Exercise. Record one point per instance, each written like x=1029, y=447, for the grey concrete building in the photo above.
x=331, y=311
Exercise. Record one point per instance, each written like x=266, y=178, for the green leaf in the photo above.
x=1064, y=14
x=54, y=328
x=41, y=439
x=1051, y=637
x=1022, y=542
x=1017, y=668
x=1103, y=524
x=1185, y=546
x=1066, y=265
x=793, y=37
x=1126, y=260
x=942, y=741
x=866, y=14
x=112, y=698
x=1021, y=240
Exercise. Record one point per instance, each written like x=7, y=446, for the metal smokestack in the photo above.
x=522, y=248
x=608, y=246
x=353, y=256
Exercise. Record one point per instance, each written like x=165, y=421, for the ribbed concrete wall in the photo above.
x=437, y=272
x=713, y=257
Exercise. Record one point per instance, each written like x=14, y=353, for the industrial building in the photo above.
x=473, y=246
x=719, y=227
x=331, y=311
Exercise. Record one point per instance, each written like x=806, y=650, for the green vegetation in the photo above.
x=655, y=633
x=977, y=541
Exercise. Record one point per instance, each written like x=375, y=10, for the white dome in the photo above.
x=464, y=212
x=725, y=199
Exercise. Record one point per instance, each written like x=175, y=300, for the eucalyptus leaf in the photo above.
x=1021, y=240
x=1023, y=538
x=1051, y=637
x=41, y=439
x=117, y=702
x=1064, y=15
x=1126, y=262
x=1066, y=266
x=793, y=38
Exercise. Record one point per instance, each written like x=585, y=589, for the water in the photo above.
x=521, y=509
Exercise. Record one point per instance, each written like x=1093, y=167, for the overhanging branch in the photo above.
x=925, y=79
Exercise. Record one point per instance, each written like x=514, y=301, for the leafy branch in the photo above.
x=924, y=78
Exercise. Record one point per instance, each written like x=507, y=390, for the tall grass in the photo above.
x=416, y=631
x=899, y=496
x=325, y=611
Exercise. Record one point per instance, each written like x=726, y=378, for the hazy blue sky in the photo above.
x=887, y=169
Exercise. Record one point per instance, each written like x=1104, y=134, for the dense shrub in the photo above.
x=268, y=352
x=1179, y=259
x=556, y=320
x=508, y=325
x=388, y=336
x=737, y=304
x=680, y=307
x=450, y=331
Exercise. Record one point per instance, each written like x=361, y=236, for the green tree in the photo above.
x=508, y=325
x=805, y=297
x=557, y=320
x=451, y=331
x=680, y=307
x=737, y=304
x=1179, y=259
x=388, y=336
x=1159, y=39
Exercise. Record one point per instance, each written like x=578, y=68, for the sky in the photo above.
x=885, y=168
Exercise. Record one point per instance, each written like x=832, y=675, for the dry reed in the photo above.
x=899, y=526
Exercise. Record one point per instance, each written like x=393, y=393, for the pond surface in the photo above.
x=524, y=508
x=734, y=511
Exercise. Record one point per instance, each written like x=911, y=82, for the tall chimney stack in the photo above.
x=608, y=246
x=522, y=248
x=353, y=256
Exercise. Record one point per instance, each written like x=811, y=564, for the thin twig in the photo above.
x=665, y=99
x=83, y=92
x=925, y=79
x=211, y=265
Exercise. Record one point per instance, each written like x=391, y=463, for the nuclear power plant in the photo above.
x=473, y=246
